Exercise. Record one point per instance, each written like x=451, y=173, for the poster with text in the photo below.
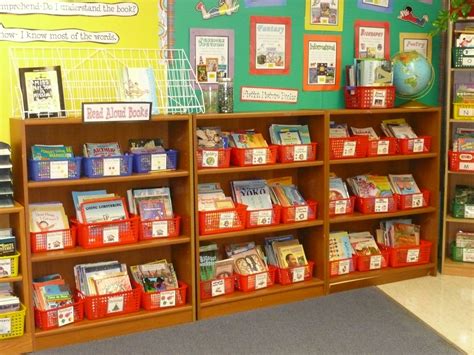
x=372, y=39
x=322, y=62
x=419, y=42
x=324, y=15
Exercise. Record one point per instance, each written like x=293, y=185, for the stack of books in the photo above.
x=364, y=244
x=285, y=193
x=156, y=276
x=366, y=186
x=47, y=217
x=6, y=182
x=397, y=128
x=369, y=72
x=153, y=203
x=463, y=140
x=102, y=278
x=51, y=152
x=248, y=259
x=398, y=233
x=8, y=301
x=51, y=292
x=289, y=134
x=255, y=194
x=338, y=130
x=146, y=145
x=101, y=150
x=403, y=184
x=98, y=206
x=340, y=247
x=337, y=189
x=7, y=242
x=211, y=138
x=285, y=252
x=210, y=266
x=211, y=197
x=247, y=139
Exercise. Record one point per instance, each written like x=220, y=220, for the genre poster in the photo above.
x=324, y=15
x=321, y=62
x=419, y=42
x=372, y=39
x=376, y=5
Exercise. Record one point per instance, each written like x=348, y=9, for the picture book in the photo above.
x=225, y=203
x=104, y=210
x=370, y=186
x=269, y=250
x=77, y=194
x=211, y=137
x=138, y=84
x=155, y=276
x=339, y=246
x=224, y=268
x=289, y=134
x=7, y=245
x=387, y=230
x=367, y=131
x=113, y=283
x=405, y=234
x=337, y=189
x=162, y=194
x=142, y=145
x=403, y=184
x=253, y=193
x=290, y=255
x=47, y=217
x=84, y=274
x=102, y=150
x=249, y=262
x=51, y=152
x=248, y=140
x=363, y=243
x=207, y=261
x=151, y=209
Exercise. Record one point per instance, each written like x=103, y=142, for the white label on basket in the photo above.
x=158, y=162
x=110, y=234
x=468, y=62
x=468, y=255
x=65, y=316
x=210, y=158
x=416, y=200
x=344, y=267
x=413, y=255
x=298, y=274
x=301, y=213
x=381, y=205
x=259, y=156
x=382, y=147
x=375, y=262
x=159, y=229
x=349, y=149
x=167, y=299
x=466, y=166
x=5, y=325
x=114, y=304
x=466, y=112
x=340, y=207
x=226, y=219
x=54, y=240
x=111, y=166
x=264, y=217
x=468, y=211
x=58, y=169
x=261, y=281
x=5, y=267
x=418, y=145
x=300, y=152
x=217, y=287
x=379, y=98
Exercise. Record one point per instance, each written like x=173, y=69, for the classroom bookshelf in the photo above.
x=13, y=217
x=176, y=132
x=462, y=172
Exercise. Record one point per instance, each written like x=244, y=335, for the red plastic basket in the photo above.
x=115, y=304
x=257, y=281
x=221, y=221
x=342, y=206
x=61, y=316
x=343, y=266
x=461, y=161
x=382, y=146
x=294, y=274
x=164, y=299
x=348, y=147
x=422, y=144
x=104, y=234
x=213, y=158
x=53, y=240
x=296, y=153
x=376, y=204
x=254, y=156
x=163, y=228
x=374, y=262
x=299, y=213
x=407, y=202
x=369, y=96
x=217, y=287
x=264, y=217
x=410, y=255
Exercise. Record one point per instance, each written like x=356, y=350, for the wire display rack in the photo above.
x=94, y=75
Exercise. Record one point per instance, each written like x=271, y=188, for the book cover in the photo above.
x=114, y=283
x=102, y=150
x=7, y=246
x=150, y=209
x=363, y=243
x=207, y=261
x=339, y=246
x=76, y=194
x=367, y=131
x=337, y=189
x=105, y=210
x=403, y=184
x=162, y=194
x=253, y=193
x=248, y=263
x=291, y=255
x=224, y=268
x=406, y=234
x=51, y=152
x=153, y=145
x=45, y=218
x=138, y=84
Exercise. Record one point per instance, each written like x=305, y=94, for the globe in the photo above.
x=413, y=75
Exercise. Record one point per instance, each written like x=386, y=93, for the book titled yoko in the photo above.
x=116, y=111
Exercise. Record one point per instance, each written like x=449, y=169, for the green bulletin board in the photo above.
x=187, y=17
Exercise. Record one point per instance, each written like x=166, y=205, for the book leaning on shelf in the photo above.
x=152, y=203
x=7, y=242
x=51, y=292
x=146, y=145
x=102, y=278
x=403, y=184
x=255, y=194
x=156, y=276
x=340, y=247
x=289, y=134
x=101, y=150
x=210, y=266
x=211, y=197
x=399, y=233
x=47, y=217
x=247, y=139
x=363, y=244
x=463, y=140
x=398, y=128
x=9, y=302
x=366, y=186
x=248, y=259
x=211, y=137
x=285, y=252
x=284, y=193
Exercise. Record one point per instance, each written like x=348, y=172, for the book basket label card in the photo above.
x=259, y=156
x=5, y=267
x=210, y=158
x=116, y=111
x=226, y=219
x=261, y=280
x=468, y=255
x=159, y=229
x=340, y=207
x=344, y=267
x=158, y=162
x=54, y=240
x=418, y=145
x=115, y=304
x=217, y=287
x=58, y=169
x=382, y=147
x=466, y=166
x=65, y=316
x=5, y=325
x=264, y=217
x=468, y=211
x=111, y=234
x=300, y=153
x=42, y=92
x=167, y=299
x=301, y=213
x=111, y=166
x=375, y=262
x=413, y=255
x=297, y=274
x=349, y=149
x=417, y=200
x=381, y=205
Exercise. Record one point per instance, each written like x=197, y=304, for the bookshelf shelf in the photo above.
x=176, y=133
x=383, y=159
x=235, y=170
x=365, y=217
x=12, y=279
x=455, y=76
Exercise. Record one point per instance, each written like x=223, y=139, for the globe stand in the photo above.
x=413, y=104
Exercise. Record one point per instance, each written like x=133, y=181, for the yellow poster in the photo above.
x=66, y=30
x=324, y=15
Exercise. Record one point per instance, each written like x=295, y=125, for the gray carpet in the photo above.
x=363, y=321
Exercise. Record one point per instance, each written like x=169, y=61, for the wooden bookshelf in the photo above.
x=425, y=169
x=311, y=178
x=451, y=225
x=176, y=132
x=13, y=217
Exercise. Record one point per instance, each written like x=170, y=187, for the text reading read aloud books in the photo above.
x=254, y=203
x=144, y=155
x=250, y=267
x=221, y=149
x=394, y=136
x=397, y=243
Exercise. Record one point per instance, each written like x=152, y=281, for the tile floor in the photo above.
x=445, y=303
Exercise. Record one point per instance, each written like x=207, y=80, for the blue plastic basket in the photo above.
x=142, y=161
x=40, y=170
x=94, y=167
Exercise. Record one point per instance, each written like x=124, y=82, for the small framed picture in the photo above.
x=42, y=92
